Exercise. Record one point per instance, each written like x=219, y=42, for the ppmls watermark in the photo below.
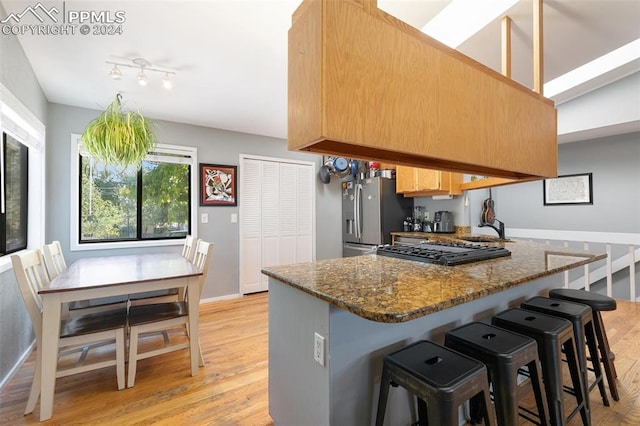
x=61, y=20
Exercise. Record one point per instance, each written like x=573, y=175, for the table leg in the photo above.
x=194, y=315
x=51, y=307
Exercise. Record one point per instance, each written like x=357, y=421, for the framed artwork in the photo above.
x=218, y=185
x=568, y=189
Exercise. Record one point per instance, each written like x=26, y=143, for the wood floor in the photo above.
x=232, y=388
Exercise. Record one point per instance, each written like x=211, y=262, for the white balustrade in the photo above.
x=590, y=275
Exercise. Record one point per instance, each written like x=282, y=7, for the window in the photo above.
x=14, y=195
x=116, y=207
x=22, y=178
x=130, y=204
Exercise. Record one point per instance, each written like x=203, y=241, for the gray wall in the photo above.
x=214, y=146
x=17, y=75
x=15, y=327
x=615, y=164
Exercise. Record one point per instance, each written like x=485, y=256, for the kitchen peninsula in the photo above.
x=367, y=306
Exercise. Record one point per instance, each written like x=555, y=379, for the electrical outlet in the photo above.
x=318, y=349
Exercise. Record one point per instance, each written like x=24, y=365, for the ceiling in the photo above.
x=230, y=56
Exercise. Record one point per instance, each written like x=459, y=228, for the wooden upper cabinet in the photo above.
x=363, y=84
x=415, y=182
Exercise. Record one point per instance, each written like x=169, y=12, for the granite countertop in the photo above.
x=392, y=290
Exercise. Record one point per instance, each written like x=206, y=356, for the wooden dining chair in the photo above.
x=163, y=317
x=54, y=259
x=171, y=295
x=188, y=249
x=55, y=265
x=75, y=333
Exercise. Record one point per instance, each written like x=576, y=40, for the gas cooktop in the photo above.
x=448, y=254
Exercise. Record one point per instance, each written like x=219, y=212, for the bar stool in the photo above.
x=552, y=336
x=581, y=317
x=504, y=353
x=442, y=380
x=598, y=303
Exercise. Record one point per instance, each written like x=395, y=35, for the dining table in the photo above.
x=106, y=276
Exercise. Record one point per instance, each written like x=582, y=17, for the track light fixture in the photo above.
x=144, y=66
x=115, y=73
x=166, y=82
x=142, y=78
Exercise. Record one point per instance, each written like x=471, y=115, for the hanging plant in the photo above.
x=119, y=138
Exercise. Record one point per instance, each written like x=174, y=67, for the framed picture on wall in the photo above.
x=218, y=185
x=568, y=189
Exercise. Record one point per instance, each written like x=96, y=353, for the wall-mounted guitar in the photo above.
x=489, y=217
x=488, y=212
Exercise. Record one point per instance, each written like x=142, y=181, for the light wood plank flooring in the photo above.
x=232, y=388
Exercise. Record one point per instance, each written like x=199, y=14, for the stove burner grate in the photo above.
x=448, y=254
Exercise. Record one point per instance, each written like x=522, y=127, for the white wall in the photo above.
x=611, y=110
x=214, y=146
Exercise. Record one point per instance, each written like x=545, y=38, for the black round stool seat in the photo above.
x=441, y=378
x=504, y=353
x=553, y=336
x=597, y=302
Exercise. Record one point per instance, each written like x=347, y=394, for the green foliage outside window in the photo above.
x=111, y=209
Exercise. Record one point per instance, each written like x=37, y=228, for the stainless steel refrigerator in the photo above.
x=371, y=210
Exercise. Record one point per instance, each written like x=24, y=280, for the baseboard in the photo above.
x=18, y=364
x=219, y=298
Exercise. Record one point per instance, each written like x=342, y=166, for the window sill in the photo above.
x=5, y=261
x=125, y=244
x=5, y=264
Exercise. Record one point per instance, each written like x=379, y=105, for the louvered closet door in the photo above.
x=270, y=179
x=251, y=226
x=288, y=213
x=305, y=205
x=276, y=217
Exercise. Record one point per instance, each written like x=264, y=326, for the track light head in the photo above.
x=115, y=73
x=142, y=78
x=166, y=82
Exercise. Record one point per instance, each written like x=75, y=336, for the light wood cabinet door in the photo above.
x=427, y=180
x=415, y=182
x=405, y=179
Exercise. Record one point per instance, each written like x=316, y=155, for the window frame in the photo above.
x=24, y=173
x=21, y=124
x=76, y=245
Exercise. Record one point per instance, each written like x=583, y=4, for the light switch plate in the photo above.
x=234, y=217
x=204, y=218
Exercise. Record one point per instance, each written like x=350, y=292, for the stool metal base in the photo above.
x=442, y=379
x=598, y=303
x=504, y=353
x=552, y=336
x=581, y=318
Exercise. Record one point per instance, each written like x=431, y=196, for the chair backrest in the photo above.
x=201, y=260
x=31, y=276
x=188, y=250
x=54, y=259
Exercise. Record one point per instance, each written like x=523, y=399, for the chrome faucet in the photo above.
x=499, y=230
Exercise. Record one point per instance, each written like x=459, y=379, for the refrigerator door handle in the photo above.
x=355, y=210
x=358, y=210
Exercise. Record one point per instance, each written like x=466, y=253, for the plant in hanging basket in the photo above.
x=119, y=138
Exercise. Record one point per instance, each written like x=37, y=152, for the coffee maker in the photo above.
x=443, y=222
